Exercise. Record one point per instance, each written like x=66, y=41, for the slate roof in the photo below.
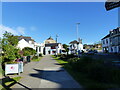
x=25, y=38
x=73, y=42
x=51, y=44
x=106, y=36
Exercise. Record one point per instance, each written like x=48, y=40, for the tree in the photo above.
x=66, y=48
x=27, y=51
x=9, y=43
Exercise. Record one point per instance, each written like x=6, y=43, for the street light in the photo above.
x=77, y=29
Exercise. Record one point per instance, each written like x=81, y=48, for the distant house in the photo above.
x=51, y=47
x=76, y=46
x=24, y=41
x=111, y=42
x=85, y=46
x=92, y=46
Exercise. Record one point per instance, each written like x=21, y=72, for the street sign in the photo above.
x=111, y=4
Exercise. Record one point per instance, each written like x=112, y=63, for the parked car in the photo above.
x=92, y=51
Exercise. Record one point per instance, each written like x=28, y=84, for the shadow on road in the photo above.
x=58, y=77
x=8, y=87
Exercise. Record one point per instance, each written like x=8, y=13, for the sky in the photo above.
x=40, y=20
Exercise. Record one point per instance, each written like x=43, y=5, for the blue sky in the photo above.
x=43, y=19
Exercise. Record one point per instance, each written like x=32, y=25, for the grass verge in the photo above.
x=82, y=78
x=36, y=59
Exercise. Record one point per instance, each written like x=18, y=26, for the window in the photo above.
x=36, y=49
x=111, y=49
x=103, y=42
x=107, y=41
x=119, y=48
x=39, y=49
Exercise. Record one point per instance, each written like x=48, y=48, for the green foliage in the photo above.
x=9, y=43
x=96, y=69
x=66, y=48
x=35, y=57
x=66, y=57
x=92, y=73
x=27, y=51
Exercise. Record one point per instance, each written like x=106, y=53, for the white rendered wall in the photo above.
x=22, y=43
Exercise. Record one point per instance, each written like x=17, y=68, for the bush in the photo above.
x=66, y=57
x=95, y=69
x=28, y=51
x=35, y=57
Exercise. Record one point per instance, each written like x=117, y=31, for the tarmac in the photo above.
x=46, y=73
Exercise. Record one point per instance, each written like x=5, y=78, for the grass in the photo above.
x=36, y=59
x=84, y=79
x=7, y=82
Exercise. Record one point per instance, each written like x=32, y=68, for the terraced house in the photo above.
x=111, y=42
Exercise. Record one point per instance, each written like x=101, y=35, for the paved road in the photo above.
x=45, y=74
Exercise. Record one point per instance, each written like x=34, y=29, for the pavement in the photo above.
x=46, y=73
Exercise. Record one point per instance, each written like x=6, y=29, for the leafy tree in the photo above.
x=27, y=51
x=9, y=43
x=66, y=48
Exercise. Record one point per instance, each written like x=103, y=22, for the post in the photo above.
x=77, y=36
x=18, y=68
x=77, y=30
x=56, y=38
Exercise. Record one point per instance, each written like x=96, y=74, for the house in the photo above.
x=24, y=41
x=111, y=42
x=52, y=47
x=106, y=43
x=85, y=46
x=75, y=46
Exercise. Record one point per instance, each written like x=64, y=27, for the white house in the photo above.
x=111, y=42
x=76, y=46
x=29, y=42
x=106, y=43
x=52, y=47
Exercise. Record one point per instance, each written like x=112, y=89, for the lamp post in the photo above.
x=56, y=37
x=77, y=30
x=77, y=37
x=56, y=46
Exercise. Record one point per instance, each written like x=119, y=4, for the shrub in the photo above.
x=28, y=51
x=35, y=57
x=95, y=69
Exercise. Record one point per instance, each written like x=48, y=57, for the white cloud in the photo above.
x=20, y=30
x=15, y=31
x=33, y=28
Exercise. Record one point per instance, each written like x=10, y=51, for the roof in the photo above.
x=73, y=42
x=106, y=36
x=25, y=38
x=51, y=44
x=50, y=38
